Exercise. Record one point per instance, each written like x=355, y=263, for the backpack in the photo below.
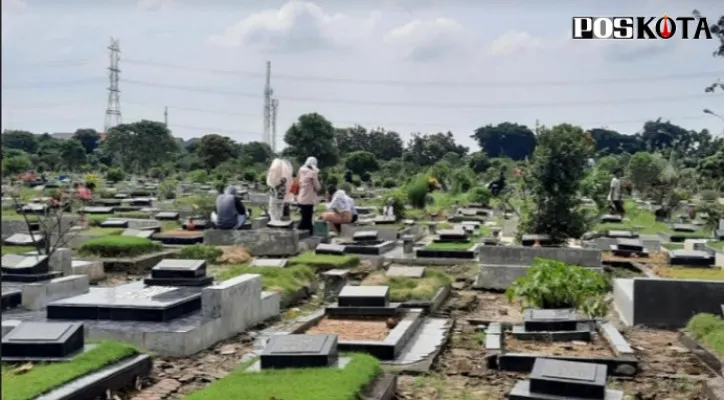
x=294, y=189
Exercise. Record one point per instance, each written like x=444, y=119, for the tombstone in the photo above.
x=174, y=272
x=332, y=249
x=299, y=351
x=621, y=234
x=406, y=272
x=34, y=208
x=23, y=239
x=114, y=223
x=432, y=227
x=468, y=212
x=97, y=210
x=364, y=210
x=138, y=233
x=11, y=297
x=611, y=219
x=558, y=379
x=684, y=228
x=364, y=296
x=409, y=222
x=43, y=341
x=472, y=224
x=408, y=244
x=384, y=220
x=121, y=196
x=365, y=236
x=535, y=320
x=453, y=235
x=531, y=239
x=32, y=268
x=168, y=216
x=633, y=245
x=141, y=202
x=691, y=258
x=269, y=262
x=334, y=281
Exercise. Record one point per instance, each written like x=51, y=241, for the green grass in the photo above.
x=283, y=280
x=119, y=246
x=325, y=261
x=672, y=246
x=45, y=377
x=98, y=231
x=716, y=245
x=16, y=249
x=646, y=221
x=12, y=215
x=709, y=329
x=404, y=289
x=713, y=274
x=294, y=384
x=449, y=246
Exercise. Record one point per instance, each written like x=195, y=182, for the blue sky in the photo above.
x=406, y=65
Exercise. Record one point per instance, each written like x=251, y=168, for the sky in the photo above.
x=405, y=65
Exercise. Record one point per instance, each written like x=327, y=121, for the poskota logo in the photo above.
x=640, y=28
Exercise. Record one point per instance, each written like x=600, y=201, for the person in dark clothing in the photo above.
x=230, y=211
x=348, y=176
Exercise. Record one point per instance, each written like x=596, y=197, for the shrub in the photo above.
x=398, y=202
x=198, y=176
x=463, y=180
x=92, y=179
x=356, y=181
x=389, y=183
x=479, y=195
x=167, y=189
x=555, y=284
x=249, y=176
x=365, y=176
x=200, y=252
x=332, y=180
x=119, y=246
x=417, y=192
x=701, y=325
x=156, y=173
x=708, y=195
x=114, y=175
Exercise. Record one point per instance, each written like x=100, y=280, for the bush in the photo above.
x=463, y=180
x=398, y=202
x=365, y=176
x=389, y=183
x=156, y=173
x=417, y=192
x=249, y=176
x=114, y=175
x=119, y=246
x=708, y=195
x=554, y=284
x=198, y=176
x=479, y=195
x=356, y=182
x=332, y=180
x=200, y=252
x=167, y=189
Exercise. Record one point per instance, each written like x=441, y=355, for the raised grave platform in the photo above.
x=19, y=268
x=43, y=341
x=177, y=272
x=530, y=239
x=367, y=243
x=299, y=351
x=691, y=258
x=114, y=223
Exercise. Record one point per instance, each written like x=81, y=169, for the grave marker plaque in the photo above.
x=43, y=340
x=363, y=236
x=630, y=245
x=167, y=216
x=269, y=262
x=114, y=223
x=174, y=272
x=299, y=351
x=550, y=320
x=568, y=379
x=332, y=249
x=363, y=296
x=406, y=272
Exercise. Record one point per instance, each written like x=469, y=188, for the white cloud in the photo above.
x=154, y=5
x=9, y=9
x=296, y=26
x=426, y=40
x=514, y=43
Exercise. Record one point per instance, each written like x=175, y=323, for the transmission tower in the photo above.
x=113, y=109
x=268, y=92
x=274, y=109
x=165, y=116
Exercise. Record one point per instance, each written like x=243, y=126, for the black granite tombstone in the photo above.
x=332, y=249
x=530, y=239
x=611, y=219
x=550, y=320
x=634, y=245
x=452, y=235
x=34, y=208
x=364, y=236
x=684, y=228
x=31, y=268
x=568, y=378
x=174, y=272
x=167, y=216
x=97, y=210
x=299, y=351
x=11, y=297
x=141, y=202
x=114, y=223
x=691, y=258
x=43, y=340
x=363, y=296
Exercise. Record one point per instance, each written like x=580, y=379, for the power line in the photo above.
x=42, y=85
x=51, y=63
x=310, y=78
x=579, y=103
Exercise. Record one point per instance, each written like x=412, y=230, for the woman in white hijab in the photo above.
x=279, y=180
x=307, y=198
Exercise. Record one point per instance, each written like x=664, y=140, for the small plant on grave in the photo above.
x=119, y=246
x=703, y=324
x=200, y=252
x=479, y=195
x=551, y=284
x=417, y=193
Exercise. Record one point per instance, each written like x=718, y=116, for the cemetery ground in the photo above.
x=666, y=369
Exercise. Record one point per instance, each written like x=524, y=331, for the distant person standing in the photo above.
x=615, y=196
x=307, y=198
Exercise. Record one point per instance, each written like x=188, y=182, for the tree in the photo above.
x=73, y=154
x=361, y=161
x=16, y=164
x=479, y=162
x=385, y=145
x=89, y=138
x=312, y=135
x=141, y=145
x=718, y=31
x=612, y=142
x=214, y=149
x=426, y=150
x=643, y=169
x=21, y=140
x=712, y=167
x=506, y=140
x=257, y=152
x=554, y=179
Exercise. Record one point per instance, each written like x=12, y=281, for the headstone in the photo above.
x=406, y=272
x=138, y=233
x=23, y=239
x=299, y=351
x=269, y=262
x=141, y=202
x=326, y=248
x=468, y=212
x=34, y=208
x=409, y=222
x=364, y=236
x=97, y=210
x=11, y=297
x=196, y=224
x=630, y=245
x=531, y=239
x=453, y=234
x=408, y=244
x=173, y=272
x=43, y=340
x=32, y=268
x=691, y=258
x=121, y=196
x=684, y=228
x=168, y=216
x=611, y=219
x=536, y=320
x=114, y=223
x=334, y=281
x=364, y=296
x=364, y=210
x=569, y=379
x=473, y=224
x=383, y=220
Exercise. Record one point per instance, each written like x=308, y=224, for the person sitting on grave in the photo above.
x=230, y=211
x=279, y=179
x=342, y=209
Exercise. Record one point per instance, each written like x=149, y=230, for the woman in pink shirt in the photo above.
x=307, y=198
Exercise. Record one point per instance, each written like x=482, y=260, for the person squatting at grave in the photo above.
x=230, y=211
x=342, y=209
x=279, y=181
x=614, y=194
x=309, y=186
x=85, y=196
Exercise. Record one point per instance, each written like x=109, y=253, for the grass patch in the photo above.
x=12, y=215
x=325, y=261
x=16, y=249
x=404, y=289
x=673, y=246
x=286, y=281
x=713, y=274
x=45, y=377
x=716, y=245
x=449, y=246
x=298, y=384
x=119, y=246
x=98, y=231
x=709, y=329
x=636, y=216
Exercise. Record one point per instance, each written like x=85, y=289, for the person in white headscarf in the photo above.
x=307, y=198
x=279, y=180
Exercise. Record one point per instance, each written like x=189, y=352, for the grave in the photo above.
x=141, y=202
x=11, y=297
x=611, y=219
x=23, y=239
x=684, y=228
x=364, y=296
x=553, y=379
x=553, y=325
x=168, y=216
x=280, y=224
x=43, y=341
x=530, y=239
x=196, y=224
x=384, y=220
x=691, y=258
x=269, y=262
x=176, y=272
x=97, y=210
x=329, y=248
x=450, y=244
x=629, y=247
x=621, y=234
x=367, y=243
x=17, y=268
x=114, y=223
x=452, y=236
x=138, y=233
x=299, y=351
x=406, y=272
x=34, y=208
x=364, y=210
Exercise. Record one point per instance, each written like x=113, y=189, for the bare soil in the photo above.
x=362, y=328
x=494, y=307
x=113, y=279
x=596, y=347
x=656, y=258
